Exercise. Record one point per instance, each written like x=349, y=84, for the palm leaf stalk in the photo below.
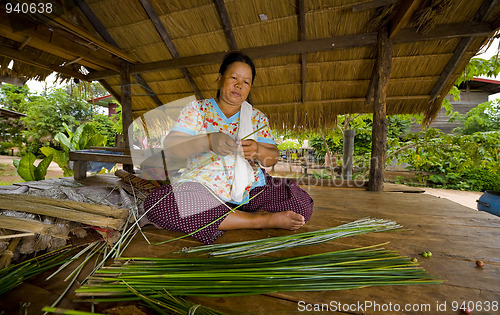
x=268, y=245
x=219, y=277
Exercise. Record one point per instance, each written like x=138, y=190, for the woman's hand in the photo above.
x=250, y=149
x=267, y=154
x=222, y=144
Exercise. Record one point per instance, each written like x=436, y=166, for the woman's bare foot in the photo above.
x=262, y=220
x=288, y=220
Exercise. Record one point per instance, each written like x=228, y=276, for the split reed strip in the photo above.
x=31, y=226
x=69, y=214
x=273, y=244
x=219, y=277
x=7, y=237
x=108, y=211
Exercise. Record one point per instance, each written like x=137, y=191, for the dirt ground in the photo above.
x=8, y=175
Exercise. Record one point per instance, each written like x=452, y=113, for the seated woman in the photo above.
x=222, y=189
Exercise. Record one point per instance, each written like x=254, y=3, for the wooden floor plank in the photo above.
x=457, y=236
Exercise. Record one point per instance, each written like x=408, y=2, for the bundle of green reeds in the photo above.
x=14, y=275
x=268, y=245
x=346, y=269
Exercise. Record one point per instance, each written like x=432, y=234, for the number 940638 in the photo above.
x=28, y=7
x=487, y=306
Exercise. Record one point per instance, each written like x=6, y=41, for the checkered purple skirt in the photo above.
x=191, y=206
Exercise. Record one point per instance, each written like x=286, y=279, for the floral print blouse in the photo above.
x=208, y=168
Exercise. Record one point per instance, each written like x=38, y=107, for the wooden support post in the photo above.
x=379, y=130
x=348, y=154
x=126, y=101
x=80, y=169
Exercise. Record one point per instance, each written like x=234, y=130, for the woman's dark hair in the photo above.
x=232, y=57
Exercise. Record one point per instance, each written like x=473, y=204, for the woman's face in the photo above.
x=235, y=83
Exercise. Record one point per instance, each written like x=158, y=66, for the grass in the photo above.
x=10, y=171
x=7, y=170
x=8, y=183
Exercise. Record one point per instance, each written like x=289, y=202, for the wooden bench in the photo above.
x=80, y=159
x=140, y=157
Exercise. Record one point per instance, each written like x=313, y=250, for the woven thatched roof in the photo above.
x=315, y=59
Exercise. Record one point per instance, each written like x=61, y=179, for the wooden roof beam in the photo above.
x=403, y=15
x=30, y=59
x=24, y=43
x=18, y=81
x=228, y=30
x=312, y=45
x=303, y=56
x=372, y=5
x=111, y=90
x=226, y=23
x=371, y=85
x=351, y=100
x=462, y=47
x=60, y=46
x=73, y=29
x=153, y=16
x=97, y=24
x=145, y=86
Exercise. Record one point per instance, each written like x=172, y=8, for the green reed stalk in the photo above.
x=347, y=269
x=56, y=310
x=268, y=245
x=165, y=303
x=14, y=275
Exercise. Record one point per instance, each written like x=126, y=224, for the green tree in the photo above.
x=105, y=126
x=397, y=126
x=13, y=98
x=475, y=68
x=47, y=114
x=480, y=67
x=482, y=118
x=467, y=162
